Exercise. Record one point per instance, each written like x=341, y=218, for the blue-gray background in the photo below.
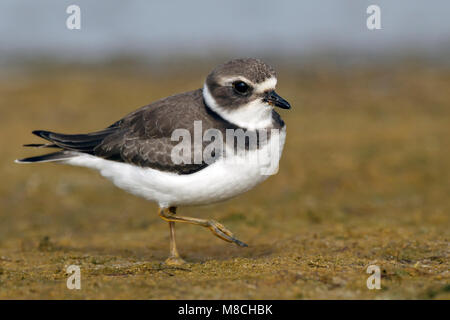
x=153, y=29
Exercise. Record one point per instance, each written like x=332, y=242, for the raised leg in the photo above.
x=216, y=228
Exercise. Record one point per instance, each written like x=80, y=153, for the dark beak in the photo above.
x=275, y=100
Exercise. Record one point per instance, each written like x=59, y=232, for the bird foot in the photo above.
x=223, y=233
x=175, y=261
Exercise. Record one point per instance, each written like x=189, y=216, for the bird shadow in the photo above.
x=155, y=254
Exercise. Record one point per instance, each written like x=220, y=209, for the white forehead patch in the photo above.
x=266, y=85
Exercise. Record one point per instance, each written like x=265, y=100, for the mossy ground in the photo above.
x=364, y=179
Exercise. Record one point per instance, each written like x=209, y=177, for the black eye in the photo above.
x=241, y=87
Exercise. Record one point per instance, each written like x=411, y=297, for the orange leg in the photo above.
x=169, y=214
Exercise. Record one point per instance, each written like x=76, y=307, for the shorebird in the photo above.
x=137, y=152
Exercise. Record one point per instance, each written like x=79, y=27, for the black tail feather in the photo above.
x=70, y=143
x=85, y=143
x=55, y=156
x=41, y=145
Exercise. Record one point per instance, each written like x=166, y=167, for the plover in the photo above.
x=136, y=152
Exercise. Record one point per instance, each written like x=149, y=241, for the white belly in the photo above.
x=219, y=181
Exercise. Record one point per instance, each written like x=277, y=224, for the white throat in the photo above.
x=254, y=115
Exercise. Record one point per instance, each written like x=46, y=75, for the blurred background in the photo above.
x=364, y=177
x=203, y=29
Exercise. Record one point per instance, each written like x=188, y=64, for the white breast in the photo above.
x=219, y=181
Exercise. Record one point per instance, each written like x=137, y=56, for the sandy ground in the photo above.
x=364, y=180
